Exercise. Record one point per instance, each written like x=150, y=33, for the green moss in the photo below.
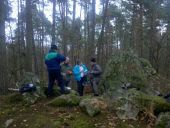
x=129, y=124
x=81, y=123
x=65, y=100
x=156, y=103
x=161, y=125
x=163, y=120
x=126, y=67
x=129, y=104
x=6, y=111
x=123, y=125
x=56, y=91
x=42, y=121
x=14, y=98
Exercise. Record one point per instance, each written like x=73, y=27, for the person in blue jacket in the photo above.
x=80, y=72
x=52, y=61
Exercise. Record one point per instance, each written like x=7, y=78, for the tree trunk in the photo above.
x=3, y=64
x=73, y=33
x=140, y=42
x=152, y=38
x=54, y=23
x=133, y=28
x=101, y=36
x=30, y=40
x=92, y=29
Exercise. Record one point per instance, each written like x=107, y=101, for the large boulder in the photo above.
x=31, y=96
x=65, y=100
x=125, y=67
x=132, y=102
x=93, y=106
x=34, y=96
x=27, y=78
x=163, y=120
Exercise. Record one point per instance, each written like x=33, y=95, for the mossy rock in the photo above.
x=28, y=98
x=65, y=100
x=156, y=103
x=27, y=78
x=163, y=120
x=55, y=92
x=125, y=67
x=93, y=106
x=132, y=102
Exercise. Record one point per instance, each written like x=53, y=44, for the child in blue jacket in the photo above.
x=80, y=72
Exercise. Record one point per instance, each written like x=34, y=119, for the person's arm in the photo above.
x=62, y=58
x=69, y=71
x=85, y=69
x=76, y=71
x=97, y=70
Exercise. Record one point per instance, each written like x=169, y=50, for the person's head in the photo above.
x=67, y=60
x=93, y=60
x=54, y=47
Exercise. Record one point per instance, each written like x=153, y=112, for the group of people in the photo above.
x=58, y=67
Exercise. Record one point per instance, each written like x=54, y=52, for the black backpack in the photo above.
x=27, y=88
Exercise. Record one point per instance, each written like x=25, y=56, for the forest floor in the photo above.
x=40, y=115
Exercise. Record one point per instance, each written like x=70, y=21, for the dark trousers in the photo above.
x=80, y=86
x=52, y=76
x=66, y=83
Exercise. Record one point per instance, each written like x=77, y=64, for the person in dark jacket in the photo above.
x=95, y=74
x=66, y=72
x=52, y=61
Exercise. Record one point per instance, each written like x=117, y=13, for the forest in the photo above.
x=121, y=34
x=142, y=25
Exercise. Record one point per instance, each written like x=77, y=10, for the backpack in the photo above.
x=27, y=88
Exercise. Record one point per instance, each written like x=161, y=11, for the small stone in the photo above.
x=96, y=125
x=8, y=122
x=131, y=126
x=24, y=120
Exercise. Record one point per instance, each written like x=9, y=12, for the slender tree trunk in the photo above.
x=65, y=33
x=140, y=42
x=73, y=33
x=101, y=36
x=92, y=29
x=31, y=52
x=42, y=43
x=133, y=28
x=167, y=61
x=152, y=38
x=54, y=23
x=3, y=64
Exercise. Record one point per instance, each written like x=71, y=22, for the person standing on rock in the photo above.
x=80, y=72
x=95, y=74
x=52, y=61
